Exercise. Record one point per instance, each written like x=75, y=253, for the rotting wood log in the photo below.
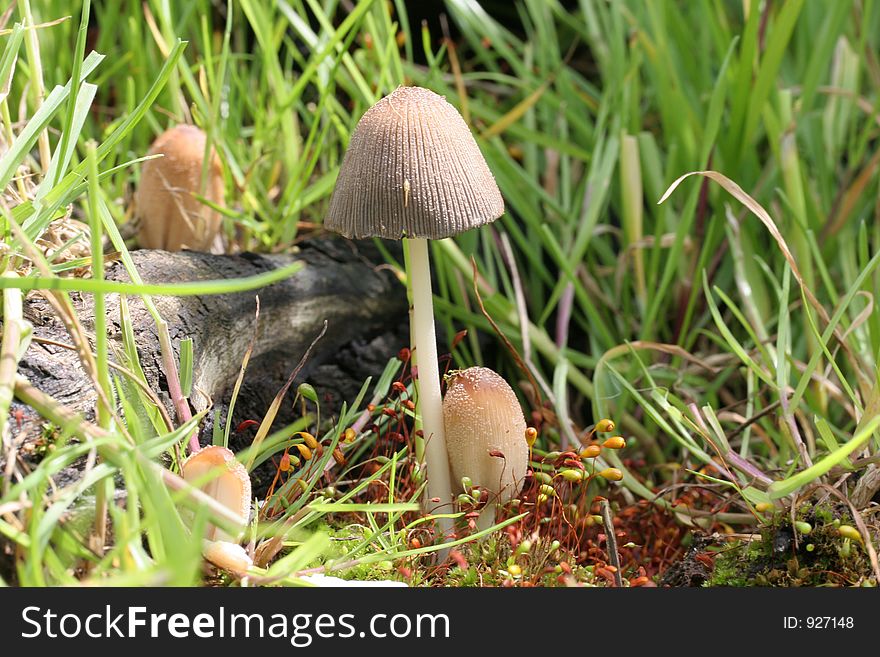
x=342, y=282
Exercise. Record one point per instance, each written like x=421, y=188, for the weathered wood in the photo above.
x=341, y=282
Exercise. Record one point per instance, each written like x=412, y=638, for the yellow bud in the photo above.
x=848, y=531
x=548, y=490
x=543, y=477
x=309, y=439
x=572, y=475
x=605, y=426
x=615, y=442
x=349, y=435
x=542, y=498
x=611, y=474
x=591, y=452
x=514, y=570
x=803, y=527
x=764, y=507
x=531, y=436
x=304, y=451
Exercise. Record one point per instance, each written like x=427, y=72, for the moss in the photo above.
x=785, y=559
x=492, y=562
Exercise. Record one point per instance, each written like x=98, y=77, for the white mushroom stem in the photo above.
x=430, y=402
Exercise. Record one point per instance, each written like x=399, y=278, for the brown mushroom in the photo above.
x=170, y=215
x=216, y=472
x=413, y=170
x=485, y=435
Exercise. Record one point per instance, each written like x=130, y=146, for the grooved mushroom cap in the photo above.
x=412, y=169
x=171, y=217
x=215, y=471
x=483, y=419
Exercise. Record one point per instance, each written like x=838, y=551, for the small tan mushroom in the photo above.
x=170, y=216
x=228, y=556
x=485, y=435
x=217, y=473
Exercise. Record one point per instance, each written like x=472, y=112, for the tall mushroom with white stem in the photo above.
x=413, y=171
x=486, y=436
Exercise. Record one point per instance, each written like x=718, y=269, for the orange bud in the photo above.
x=591, y=452
x=304, y=451
x=615, y=442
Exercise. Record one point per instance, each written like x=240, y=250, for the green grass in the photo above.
x=734, y=323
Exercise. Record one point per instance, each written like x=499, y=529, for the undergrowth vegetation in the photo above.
x=725, y=320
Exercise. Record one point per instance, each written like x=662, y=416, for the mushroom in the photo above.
x=485, y=435
x=413, y=171
x=171, y=217
x=228, y=556
x=217, y=473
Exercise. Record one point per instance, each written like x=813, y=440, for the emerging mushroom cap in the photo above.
x=216, y=472
x=485, y=432
x=171, y=217
x=228, y=556
x=412, y=169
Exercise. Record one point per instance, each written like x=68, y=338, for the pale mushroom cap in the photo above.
x=228, y=556
x=171, y=217
x=215, y=471
x=412, y=169
x=482, y=415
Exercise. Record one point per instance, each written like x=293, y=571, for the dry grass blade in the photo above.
x=86, y=431
x=611, y=542
x=244, y=363
x=128, y=374
x=507, y=343
x=517, y=112
x=269, y=418
x=755, y=208
x=65, y=311
x=853, y=194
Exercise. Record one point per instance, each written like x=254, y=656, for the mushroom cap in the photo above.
x=228, y=556
x=171, y=217
x=215, y=471
x=412, y=169
x=483, y=419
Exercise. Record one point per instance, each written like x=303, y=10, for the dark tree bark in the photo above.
x=341, y=282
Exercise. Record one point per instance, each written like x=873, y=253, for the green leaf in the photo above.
x=186, y=366
x=791, y=484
